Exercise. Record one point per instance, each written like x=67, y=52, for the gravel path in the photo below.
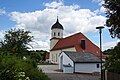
x=50, y=70
x=61, y=76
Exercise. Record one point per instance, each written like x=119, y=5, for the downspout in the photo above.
x=74, y=67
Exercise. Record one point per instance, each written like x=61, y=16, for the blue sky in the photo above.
x=39, y=15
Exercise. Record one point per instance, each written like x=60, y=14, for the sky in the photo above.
x=38, y=16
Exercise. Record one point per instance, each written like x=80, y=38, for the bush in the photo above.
x=12, y=68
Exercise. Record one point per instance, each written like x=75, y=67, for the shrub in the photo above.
x=12, y=68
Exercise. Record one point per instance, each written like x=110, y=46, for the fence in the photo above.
x=112, y=76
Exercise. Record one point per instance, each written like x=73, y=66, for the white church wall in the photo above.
x=54, y=56
x=53, y=42
x=58, y=33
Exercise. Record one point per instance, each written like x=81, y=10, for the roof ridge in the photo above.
x=73, y=35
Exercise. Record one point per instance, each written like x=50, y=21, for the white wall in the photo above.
x=79, y=67
x=87, y=67
x=54, y=56
x=66, y=60
x=53, y=43
x=56, y=31
x=68, y=69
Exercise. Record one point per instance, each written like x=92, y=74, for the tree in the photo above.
x=35, y=56
x=106, y=52
x=38, y=55
x=113, y=61
x=13, y=68
x=16, y=41
x=113, y=17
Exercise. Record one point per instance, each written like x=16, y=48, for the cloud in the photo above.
x=39, y=45
x=2, y=34
x=71, y=17
x=53, y=4
x=99, y=1
x=109, y=45
x=100, y=11
x=2, y=11
x=35, y=21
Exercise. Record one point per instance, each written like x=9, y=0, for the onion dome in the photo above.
x=57, y=25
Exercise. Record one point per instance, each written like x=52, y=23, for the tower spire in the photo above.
x=57, y=19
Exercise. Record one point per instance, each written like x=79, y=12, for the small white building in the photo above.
x=78, y=62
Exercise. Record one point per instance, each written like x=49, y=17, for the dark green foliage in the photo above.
x=38, y=55
x=113, y=61
x=35, y=56
x=12, y=68
x=16, y=41
x=15, y=63
x=108, y=51
x=42, y=53
x=113, y=16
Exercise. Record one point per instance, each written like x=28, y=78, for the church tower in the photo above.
x=56, y=33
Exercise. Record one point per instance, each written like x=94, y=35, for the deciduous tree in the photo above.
x=113, y=61
x=113, y=17
x=16, y=41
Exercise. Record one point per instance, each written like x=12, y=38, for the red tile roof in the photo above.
x=75, y=41
x=67, y=42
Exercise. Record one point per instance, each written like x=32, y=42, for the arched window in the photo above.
x=52, y=57
x=56, y=57
x=58, y=33
x=54, y=34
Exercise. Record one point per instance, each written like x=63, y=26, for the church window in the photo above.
x=56, y=57
x=54, y=34
x=52, y=57
x=58, y=34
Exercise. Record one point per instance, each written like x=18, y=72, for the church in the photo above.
x=76, y=42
